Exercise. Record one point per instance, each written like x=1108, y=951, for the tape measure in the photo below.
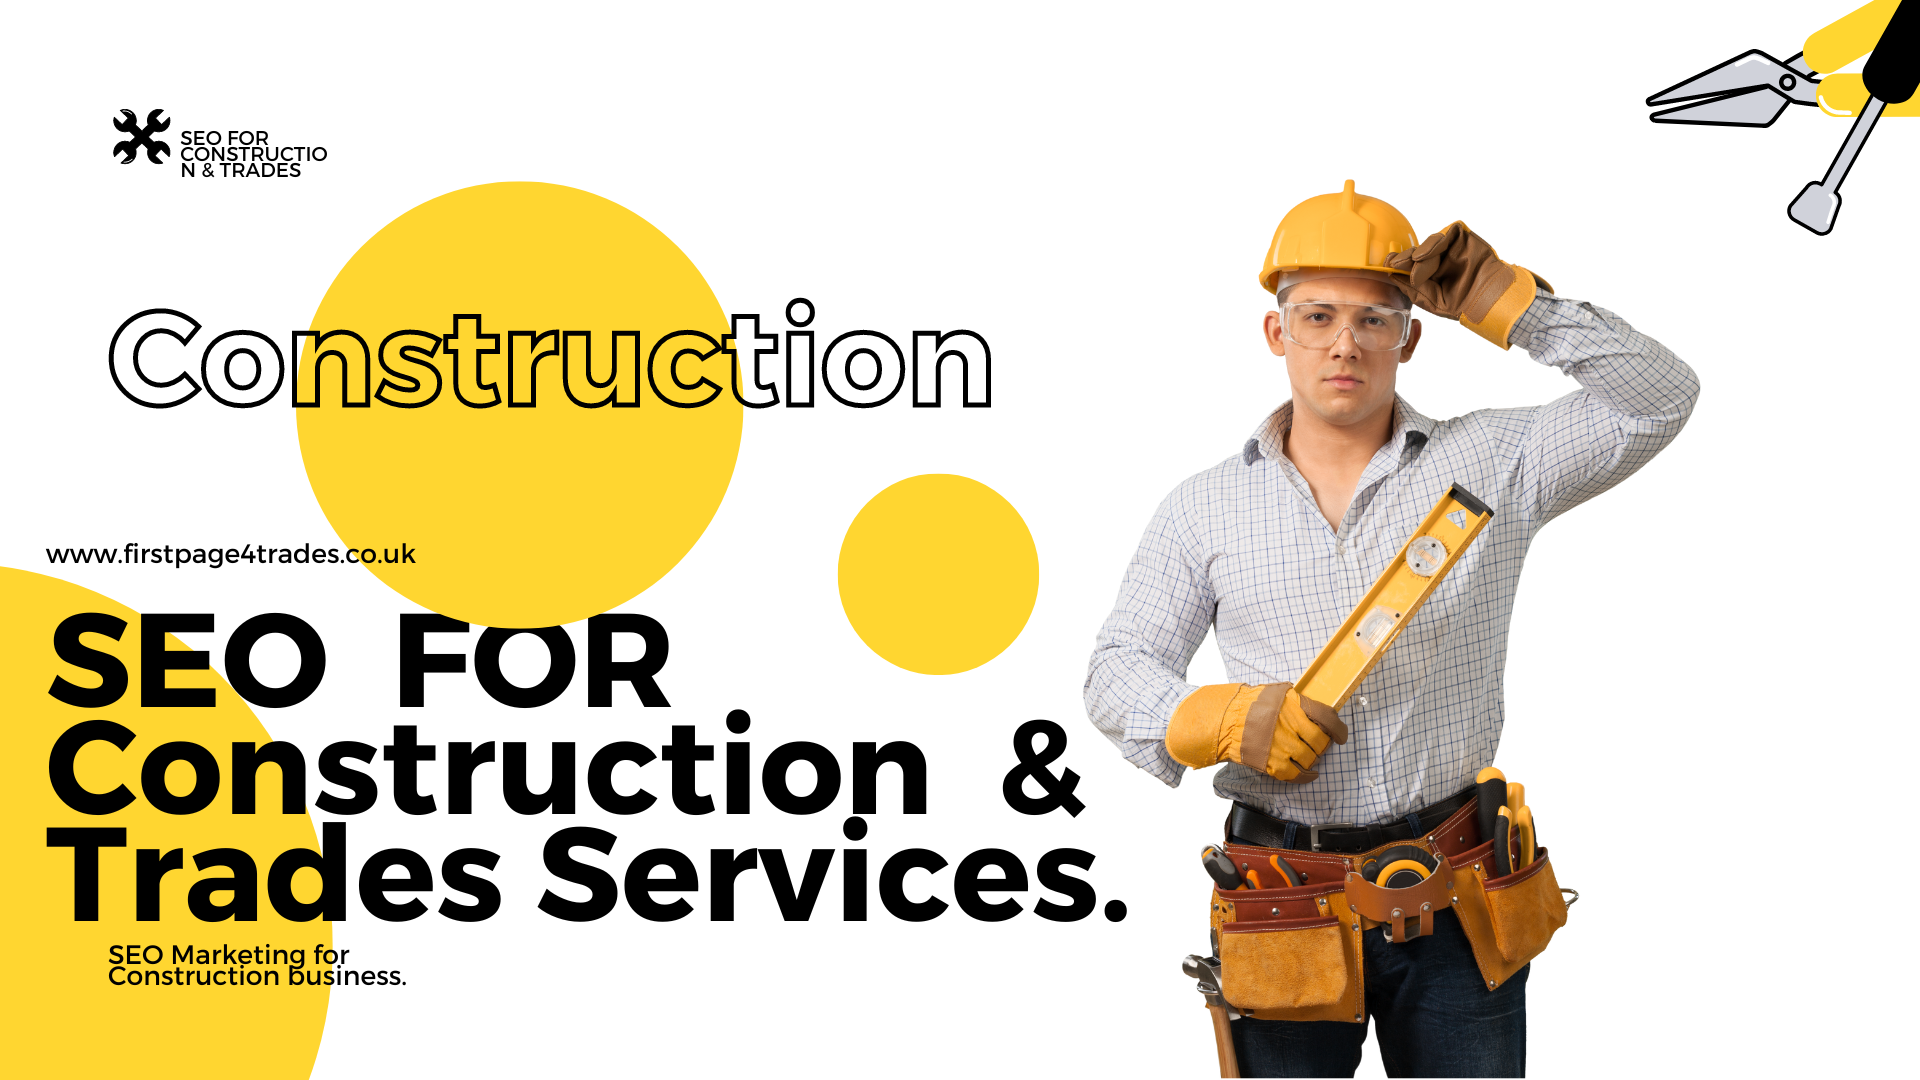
x=1434, y=549
x=1400, y=867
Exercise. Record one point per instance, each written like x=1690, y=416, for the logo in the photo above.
x=209, y=153
x=142, y=136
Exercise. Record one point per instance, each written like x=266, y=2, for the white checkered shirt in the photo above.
x=1243, y=547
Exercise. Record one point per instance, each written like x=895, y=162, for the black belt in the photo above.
x=1249, y=826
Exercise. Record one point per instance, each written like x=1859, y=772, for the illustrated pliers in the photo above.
x=1753, y=89
x=1750, y=90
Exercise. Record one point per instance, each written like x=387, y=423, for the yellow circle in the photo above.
x=64, y=1016
x=938, y=574
x=515, y=515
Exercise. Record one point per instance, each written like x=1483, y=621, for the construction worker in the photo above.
x=1275, y=545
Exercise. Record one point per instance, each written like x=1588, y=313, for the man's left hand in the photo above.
x=1271, y=727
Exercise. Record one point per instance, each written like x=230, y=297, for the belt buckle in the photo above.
x=1313, y=831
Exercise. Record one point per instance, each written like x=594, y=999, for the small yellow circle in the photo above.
x=505, y=502
x=938, y=574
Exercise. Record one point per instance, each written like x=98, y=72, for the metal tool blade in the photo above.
x=1748, y=71
x=1815, y=208
x=1819, y=203
x=1758, y=107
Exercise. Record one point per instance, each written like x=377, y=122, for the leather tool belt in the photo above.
x=1293, y=953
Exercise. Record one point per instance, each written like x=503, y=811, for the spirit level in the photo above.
x=1395, y=597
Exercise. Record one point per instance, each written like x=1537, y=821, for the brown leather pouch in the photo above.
x=1286, y=955
x=1403, y=911
x=1510, y=919
x=1285, y=965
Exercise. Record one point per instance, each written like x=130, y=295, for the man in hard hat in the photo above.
x=1274, y=546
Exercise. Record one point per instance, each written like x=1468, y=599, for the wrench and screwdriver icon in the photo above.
x=1753, y=89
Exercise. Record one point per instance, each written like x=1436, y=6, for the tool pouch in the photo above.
x=1510, y=919
x=1403, y=910
x=1285, y=955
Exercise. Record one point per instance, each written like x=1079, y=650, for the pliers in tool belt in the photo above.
x=1753, y=89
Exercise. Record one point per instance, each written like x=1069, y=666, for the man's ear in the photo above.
x=1413, y=338
x=1277, y=341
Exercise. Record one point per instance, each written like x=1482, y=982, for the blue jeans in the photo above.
x=1436, y=1017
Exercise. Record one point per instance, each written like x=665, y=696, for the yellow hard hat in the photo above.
x=1343, y=231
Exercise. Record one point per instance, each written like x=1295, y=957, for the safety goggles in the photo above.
x=1317, y=324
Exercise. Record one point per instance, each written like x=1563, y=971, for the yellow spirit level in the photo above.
x=1395, y=597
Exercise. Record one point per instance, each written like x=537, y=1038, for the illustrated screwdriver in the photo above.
x=1891, y=75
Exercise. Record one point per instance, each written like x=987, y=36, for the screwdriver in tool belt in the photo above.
x=1490, y=788
x=1523, y=841
x=1502, y=841
x=1220, y=868
x=1285, y=870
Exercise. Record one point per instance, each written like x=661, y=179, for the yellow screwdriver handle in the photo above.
x=1846, y=94
x=1516, y=796
x=1849, y=37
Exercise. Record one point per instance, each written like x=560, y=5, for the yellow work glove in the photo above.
x=1456, y=274
x=1271, y=728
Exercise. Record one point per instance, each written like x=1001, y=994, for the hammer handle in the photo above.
x=1223, y=1042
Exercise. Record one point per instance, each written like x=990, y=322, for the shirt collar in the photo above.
x=1410, y=428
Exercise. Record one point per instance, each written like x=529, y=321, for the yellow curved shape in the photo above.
x=1849, y=37
x=63, y=1017
x=1846, y=95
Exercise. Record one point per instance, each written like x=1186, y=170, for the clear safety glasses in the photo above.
x=1316, y=324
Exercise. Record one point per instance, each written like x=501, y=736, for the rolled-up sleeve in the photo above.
x=1137, y=675
x=1635, y=395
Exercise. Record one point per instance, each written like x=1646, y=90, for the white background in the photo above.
x=1705, y=695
